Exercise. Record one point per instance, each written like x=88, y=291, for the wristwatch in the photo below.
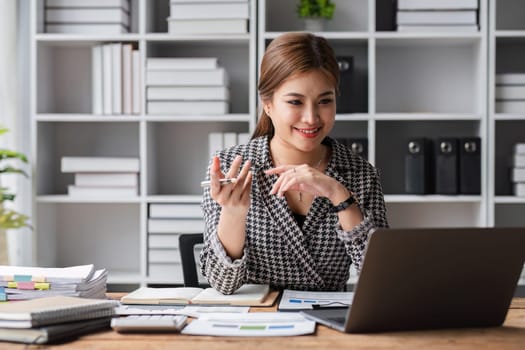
x=345, y=204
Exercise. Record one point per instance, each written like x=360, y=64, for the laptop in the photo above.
x=432, y=278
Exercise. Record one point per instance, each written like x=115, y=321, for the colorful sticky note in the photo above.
x=12, y=284
x=26, y=285
x=22, y=278
x=42, y=286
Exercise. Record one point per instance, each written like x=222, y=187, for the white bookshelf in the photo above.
x=405, y=85
x=173, y=150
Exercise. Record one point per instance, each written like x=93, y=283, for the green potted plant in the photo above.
x=9, y=219
x=315, y=13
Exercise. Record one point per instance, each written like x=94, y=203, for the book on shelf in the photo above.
x=229, y=139
x=510, y=92
x=106, y=179
x=87, y=15
x=53, y=310
x=97, y=77
x=437, y=17
x=510, y=79
x=437, y=4
x=209, y=10
x=175, y=225
x=187, y=107
x=136, y=82
x=519, y=189
x=518, y=160
x=100, y=164
x=519, y=148
x=116, y=80
x=406, y=28
x=87, y=28
x=176, y=63
x=247, y=295
x=166, y=241
x=214, y=77
x=127, y=74
x=107, y=79
x=175, y=210
x=189, y=93
x=207, y=26
x=103, y=191
x=518, y=175
x=54, y=333
x=124, y=4
x=510, y=106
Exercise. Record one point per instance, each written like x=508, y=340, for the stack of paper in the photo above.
x=53, y=318
x=510, y=93
x=518, y=170
x=437, y=15
x=87, y=16
x=209, y=17
x=102, y=176
x=21, y=282
x=186, y=85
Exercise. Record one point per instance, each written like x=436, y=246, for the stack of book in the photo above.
x=518, y=170
x=53, y=319
x=189, y=85
x=115, y=79
x=437, y=15
x=102, y=176
x=208, y=17
x=220, y=140
x=166, y=222
x=87, y=16
x=510, y=93
x=22, y=283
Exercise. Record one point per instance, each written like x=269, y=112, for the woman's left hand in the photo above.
x=306, y=178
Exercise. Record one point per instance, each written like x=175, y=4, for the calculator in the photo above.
x=149, y=323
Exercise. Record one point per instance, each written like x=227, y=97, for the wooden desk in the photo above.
x=510, y=336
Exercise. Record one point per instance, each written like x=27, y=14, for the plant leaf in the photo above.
x=10, y=219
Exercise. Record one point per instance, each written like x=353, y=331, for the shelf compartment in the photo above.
x=509, y=214
x=79, y=139
x=507, y=134
x=423, y=214
x=178, y=151
x=235, y=60
x=510, y=55
x=76, y=234
x=429, y=76
x=510, y=15
x=391, y=144
x=349, y=16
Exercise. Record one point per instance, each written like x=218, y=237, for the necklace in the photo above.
x=315, y=167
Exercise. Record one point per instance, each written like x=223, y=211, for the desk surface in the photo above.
x=510, y=336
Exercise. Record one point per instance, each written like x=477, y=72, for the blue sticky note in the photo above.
x=3, y=297
x=295, y=301
x=22, y=278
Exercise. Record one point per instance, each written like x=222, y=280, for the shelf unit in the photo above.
x=173, y=156
x=405, y=85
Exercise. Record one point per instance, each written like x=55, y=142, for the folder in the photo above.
x=470, y=165
x=346, y=67
x=418, y=166
x=447, y=164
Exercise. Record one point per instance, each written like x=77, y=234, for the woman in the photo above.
x=303, y=206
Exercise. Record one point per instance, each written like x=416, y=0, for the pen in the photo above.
x=222, y=182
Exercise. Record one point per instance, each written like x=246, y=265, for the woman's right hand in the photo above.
x=234, y=198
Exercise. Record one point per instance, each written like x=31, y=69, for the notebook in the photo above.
x=432, y=278
x=248, y=294
x=54, y=333
x=52, y=310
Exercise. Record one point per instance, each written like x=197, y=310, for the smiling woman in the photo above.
x=303, y=205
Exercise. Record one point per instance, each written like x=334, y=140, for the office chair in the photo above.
x=187, y=242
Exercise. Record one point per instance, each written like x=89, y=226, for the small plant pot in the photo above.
x=314, y=24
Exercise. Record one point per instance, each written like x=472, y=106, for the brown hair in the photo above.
x=288, y=54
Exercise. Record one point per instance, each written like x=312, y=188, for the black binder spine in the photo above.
x=447, y=165
x=346, y=67
x=418, y=166
x=470, y=165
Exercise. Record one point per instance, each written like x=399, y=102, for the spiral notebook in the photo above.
x=53, y=310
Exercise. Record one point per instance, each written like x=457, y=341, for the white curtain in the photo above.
x=13, y=44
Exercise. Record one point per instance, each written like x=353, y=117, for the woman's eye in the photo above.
x=326, y=101
x=294, y=102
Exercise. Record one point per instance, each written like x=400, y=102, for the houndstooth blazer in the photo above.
x=279, y=253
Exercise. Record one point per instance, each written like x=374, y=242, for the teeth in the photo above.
x=309, y=131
